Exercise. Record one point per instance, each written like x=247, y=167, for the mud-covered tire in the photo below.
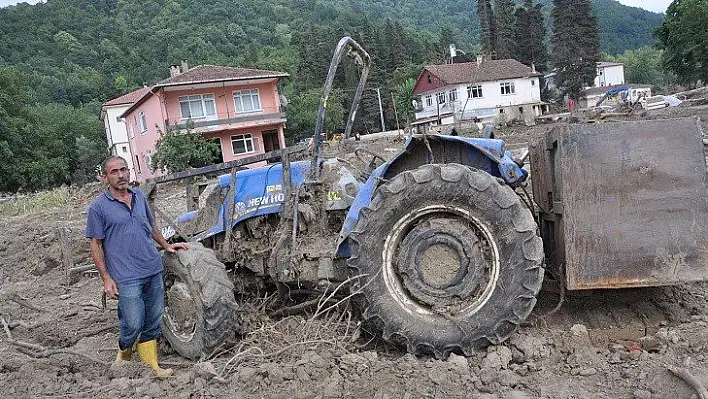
x=447, y=259
x=199, y=302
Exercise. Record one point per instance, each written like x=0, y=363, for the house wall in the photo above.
x=117, y=135
x=527, y=91
x=164, y=106
x=609, y=76
x=143, y=143
x=224, y=100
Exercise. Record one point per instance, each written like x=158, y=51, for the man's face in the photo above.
x=117, y=174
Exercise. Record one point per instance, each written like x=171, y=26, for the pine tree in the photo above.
x=488, y=25
x=530, y=33
x=576, y=45
x=505, y=21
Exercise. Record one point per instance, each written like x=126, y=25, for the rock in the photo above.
x=458, y=363
x=498, y=357
x=199, y=384
x=437, y=375
x=508, y=378
x=205, y=370
x=668, y=335
x=247, y=374
x=183, y=378
x=642, y=394
x=530, y=348
x=652, y=344
x=579, y=330
x=586, y=372
x=302, y=375
x=333, y=386
x=516, y=394
x=488, y=376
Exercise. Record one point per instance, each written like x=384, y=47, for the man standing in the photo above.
x=122, y=229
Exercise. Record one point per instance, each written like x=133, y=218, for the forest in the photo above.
x=61, y=59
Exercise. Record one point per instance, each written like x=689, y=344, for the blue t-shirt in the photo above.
x=128, y=247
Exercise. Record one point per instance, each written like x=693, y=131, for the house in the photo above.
x=495, y=91
x=593, y=94
x=238, y=108
x=609, y=74
x=116, y=133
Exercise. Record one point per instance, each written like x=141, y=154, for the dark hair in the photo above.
x=109, y=159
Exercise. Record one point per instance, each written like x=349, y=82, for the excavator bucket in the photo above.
x=623, y=204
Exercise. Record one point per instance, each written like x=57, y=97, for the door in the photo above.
x=270, y=140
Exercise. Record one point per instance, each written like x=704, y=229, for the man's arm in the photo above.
x=109, y=286
x=157, y=236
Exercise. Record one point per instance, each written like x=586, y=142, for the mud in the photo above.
x=600, y=344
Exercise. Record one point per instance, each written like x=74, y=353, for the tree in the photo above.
x=684, y=34
x=576, y=45
x=488, y=26
x=642, y=65
x=505, y=35
x=530, y=35
x=177, y=151
x=403, y=93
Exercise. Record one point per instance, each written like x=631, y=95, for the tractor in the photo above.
x=440, y=246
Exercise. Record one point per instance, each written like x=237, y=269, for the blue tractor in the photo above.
x=434, y=245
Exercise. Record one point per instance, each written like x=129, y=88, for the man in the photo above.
x=122, y=229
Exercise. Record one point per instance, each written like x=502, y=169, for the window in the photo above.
x=430, y=79
x=441, y=98
x=429, y=100
x=197, y=106
x=533, y=82
x=242, y=144
x=507, y=88
x=452, y=95
x=143, y=123
x=247, y=101
x=474, y=91
x=125, y=149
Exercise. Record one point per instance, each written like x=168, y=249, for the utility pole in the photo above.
x=378, y=92
x=393, y=100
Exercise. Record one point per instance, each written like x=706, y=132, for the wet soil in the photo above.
x=599, y=344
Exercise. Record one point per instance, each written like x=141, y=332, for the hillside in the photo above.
x=76, y=49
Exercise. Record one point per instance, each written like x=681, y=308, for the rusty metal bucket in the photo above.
x=623, y=204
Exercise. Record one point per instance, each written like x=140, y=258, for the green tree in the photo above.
x=530, y=35
x=487, y=23
x=576, y=45
x=505, y=32
x=177, y=151
x=643, y=65
x=684, y=36
x=302, y=114
x=403, y=93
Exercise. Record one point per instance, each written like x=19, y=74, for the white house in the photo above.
x=609, y=74
x=495, y=91
x=116, y=133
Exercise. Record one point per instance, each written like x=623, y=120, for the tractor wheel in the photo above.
x=445, y=259
x=199, y=302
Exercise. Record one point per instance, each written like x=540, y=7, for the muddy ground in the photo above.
x=604, y=344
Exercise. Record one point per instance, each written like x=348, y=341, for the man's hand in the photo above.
x=110, y=288
x=172, y=248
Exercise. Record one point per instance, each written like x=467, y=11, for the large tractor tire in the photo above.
x=446, y=259
x=199, y=302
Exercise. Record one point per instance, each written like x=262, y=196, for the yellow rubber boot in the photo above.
x=148, y=352
x=124, y=355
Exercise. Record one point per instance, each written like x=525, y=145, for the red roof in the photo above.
x=471, y=72
x=213, y=73
x=129, y=98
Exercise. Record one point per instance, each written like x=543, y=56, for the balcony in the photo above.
x=229, y=120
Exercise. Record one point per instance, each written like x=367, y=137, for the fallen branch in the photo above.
x=23, y=302
x=689, y=379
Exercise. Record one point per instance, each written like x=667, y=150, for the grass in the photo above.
x=32, y=204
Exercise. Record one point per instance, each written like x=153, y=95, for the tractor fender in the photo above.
x=487, y=155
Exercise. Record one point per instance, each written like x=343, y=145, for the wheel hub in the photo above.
x=180, y=309
x=441, y=257
x=440, y=261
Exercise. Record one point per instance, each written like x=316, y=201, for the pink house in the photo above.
x=238, y=108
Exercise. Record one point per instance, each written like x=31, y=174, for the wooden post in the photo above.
x=67, y=260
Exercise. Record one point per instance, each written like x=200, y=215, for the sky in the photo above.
x=651, y=5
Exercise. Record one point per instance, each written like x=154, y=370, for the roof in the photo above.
x=129, y=98
x=485, y=71
x=207, y=74
x=603, y=64
x=214, y=73
x=604, y=89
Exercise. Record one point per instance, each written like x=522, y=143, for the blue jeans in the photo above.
x=141, y=304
